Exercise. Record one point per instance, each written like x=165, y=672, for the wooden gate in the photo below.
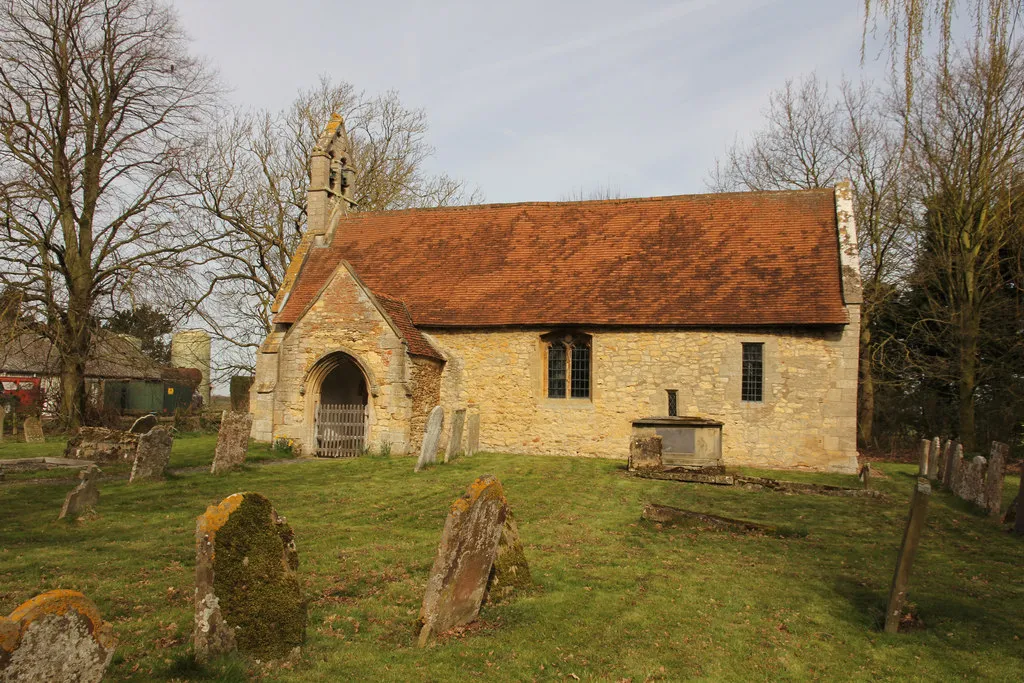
x=340, y=430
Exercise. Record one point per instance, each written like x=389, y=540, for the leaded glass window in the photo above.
x=580, y=370
x=556, y=370
x=568, y=365
x=752, y=388
x=673, y=399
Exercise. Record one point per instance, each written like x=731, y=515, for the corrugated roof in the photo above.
x=739, y=259
x=112, y=357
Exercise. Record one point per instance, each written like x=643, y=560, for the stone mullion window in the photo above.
x=580, y=368
x=568, y=365
x=752, y=381
x=556, y=370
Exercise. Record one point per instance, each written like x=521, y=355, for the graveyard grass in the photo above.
x=614, y=598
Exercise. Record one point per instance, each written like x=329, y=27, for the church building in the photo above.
x=561, y=324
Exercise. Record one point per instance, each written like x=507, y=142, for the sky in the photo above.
x=537, y=101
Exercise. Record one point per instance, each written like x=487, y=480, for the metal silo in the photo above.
x=191, y=349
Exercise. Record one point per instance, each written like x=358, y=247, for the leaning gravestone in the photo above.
x=644, y=453
x=83, y=497
x=33, y=430
x=431, y=436
x=56, y=636
x=905, y=559
x=232, y=442
x=248, y=595
x=455, y=441
x=994, y=478
x=510, y=571
x=473, y=435
x=465, y=556
x=152, y=455
x=144, y=424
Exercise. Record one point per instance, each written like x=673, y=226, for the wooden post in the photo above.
x=911, y=537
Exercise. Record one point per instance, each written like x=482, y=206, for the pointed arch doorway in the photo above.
x=342, y=408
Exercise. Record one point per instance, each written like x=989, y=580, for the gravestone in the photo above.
x=431, y=436
x=956, y=466
x=473, y=435
x=144, y=424
x=100, y=444
x=56, y=636
x=465, y=556
x=905, y=559
x=922, y=459
x=510, y=572
x=232, y=442
x=33, y=430
x=994, y=478
x=248, y=595
x=972, y=481
x=933, y=459
x=644, y=453
x=455, y=440
x=865, y=476
x=944, y=460
x=83, y=497
x=152, y=455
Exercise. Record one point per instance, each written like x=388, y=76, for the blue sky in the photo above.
x=537, y=100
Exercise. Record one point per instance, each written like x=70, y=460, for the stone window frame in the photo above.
x=752, y=391
x=569, y=341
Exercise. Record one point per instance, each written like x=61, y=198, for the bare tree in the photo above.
x=814, y=139
x=97, y=100
x=966, y=136
x=251, y=182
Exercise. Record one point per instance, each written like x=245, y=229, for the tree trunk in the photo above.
x=866, y=389
x=968, y=379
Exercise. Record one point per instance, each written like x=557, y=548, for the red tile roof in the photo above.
x=399, y=314
x=742, y=259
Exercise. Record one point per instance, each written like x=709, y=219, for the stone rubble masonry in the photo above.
x=144, y=424
x=993, y=497
x=56, y=636
x=102, y=445
x=82, y=498
x=473, y=434
x=431, y=438
x=248, y=596
x=469, y=544
x=645, y=453
x=152, y=455
x=807, y=420
x=33, y=430
x=232, y=442
x=455, y=440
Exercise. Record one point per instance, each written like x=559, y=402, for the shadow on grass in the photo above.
x=229, y=669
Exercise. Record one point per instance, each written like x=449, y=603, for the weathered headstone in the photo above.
x=33, y=430
x=972, y=481
x=248, y=595
x=994, y=478
x=922, y=459
x=944, y=460
x=465, y=555
x=455, y=440
x=956, y=466
x=56, y=636
x=144, y=424
x=510, y=572
x=865, y=476
x=83, y=497
x=232, y=442
x=473, y=435
x=933, y=459
x=101, y=445
x=431, y=436
x=152, y=455
x=905, y=559
x=644, y=453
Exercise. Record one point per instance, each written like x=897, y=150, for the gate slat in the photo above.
x=340, y=429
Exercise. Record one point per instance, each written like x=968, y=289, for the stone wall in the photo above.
x=343, y=319
x=425, y=376
x=807, y=418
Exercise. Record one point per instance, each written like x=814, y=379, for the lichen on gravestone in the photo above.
x=152, y=455
x=56, y=636
x=431, y=437
x=82, y=498
x=510, y=572
x=232, y=442
x=248, y=594
x=993, y=485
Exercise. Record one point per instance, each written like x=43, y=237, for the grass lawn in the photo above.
x=615, y=598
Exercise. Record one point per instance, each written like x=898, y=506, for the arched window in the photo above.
x=568, y=364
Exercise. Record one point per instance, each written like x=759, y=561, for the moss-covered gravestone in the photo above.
x=466, y=556
x=248, y=595
x=510, y=572
x=56, y=636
